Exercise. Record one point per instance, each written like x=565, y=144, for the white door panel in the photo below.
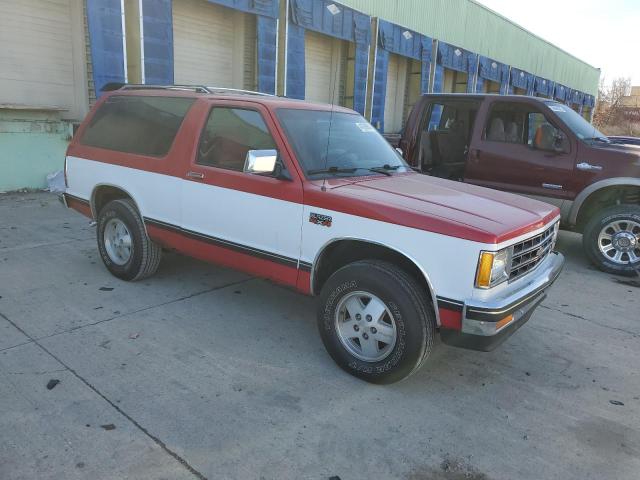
x=255, y=221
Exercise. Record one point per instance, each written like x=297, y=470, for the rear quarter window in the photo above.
x=137, y=124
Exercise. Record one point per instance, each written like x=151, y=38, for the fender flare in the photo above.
x=92, y=201
x=425, y=276
x=594, y=187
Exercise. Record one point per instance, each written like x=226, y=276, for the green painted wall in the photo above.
x=469, y=25
x=32, y=144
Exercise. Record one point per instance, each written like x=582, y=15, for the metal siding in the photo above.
x=473, y=27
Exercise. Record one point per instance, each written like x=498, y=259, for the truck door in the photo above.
x=518, y=148
x=444, y=136
x=246, y=221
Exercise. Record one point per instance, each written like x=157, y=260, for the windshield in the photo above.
x=578, y=125
x=354, y=147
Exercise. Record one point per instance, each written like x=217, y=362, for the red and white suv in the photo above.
x=311, y=196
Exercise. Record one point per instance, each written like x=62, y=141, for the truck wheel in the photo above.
x=611, y=239
x=375, y=321
x=126, y=250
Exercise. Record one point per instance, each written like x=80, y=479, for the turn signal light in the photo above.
x=485, y=265
x=505, y=321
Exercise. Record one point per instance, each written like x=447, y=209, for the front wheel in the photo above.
x=611, y=239
x=376, y=321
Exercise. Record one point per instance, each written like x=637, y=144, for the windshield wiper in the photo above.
x=384, y=169
x=599, y=139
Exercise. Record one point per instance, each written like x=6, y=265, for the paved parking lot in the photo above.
x=202, y=372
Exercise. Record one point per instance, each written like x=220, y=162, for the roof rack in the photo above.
x=238, y=91
x=109, y=87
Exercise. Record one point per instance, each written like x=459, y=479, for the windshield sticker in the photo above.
x=556, y=108
x=366, y=127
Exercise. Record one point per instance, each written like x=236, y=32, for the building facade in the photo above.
x=376, y=57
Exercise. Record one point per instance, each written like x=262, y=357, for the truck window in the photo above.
x=519, y=123
x=444, y=142
x=505, y=124
x=542, y=135
x=229, y=134
x=141, y=125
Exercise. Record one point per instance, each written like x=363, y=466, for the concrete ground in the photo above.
x=202, y=372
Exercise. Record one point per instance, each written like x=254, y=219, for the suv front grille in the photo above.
x=529, y=253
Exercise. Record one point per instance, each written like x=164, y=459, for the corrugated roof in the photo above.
x=474, y=27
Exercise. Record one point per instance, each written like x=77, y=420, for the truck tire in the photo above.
x=126, y=250
x=375, y=321
x=611, y=239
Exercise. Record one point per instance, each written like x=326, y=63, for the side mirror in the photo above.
x=559, y=140
x=265, y=162
x=400, y=152
x=260, y=161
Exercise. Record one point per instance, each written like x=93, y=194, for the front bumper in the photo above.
x=485, y=325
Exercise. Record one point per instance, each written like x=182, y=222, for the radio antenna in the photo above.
x=334, y=80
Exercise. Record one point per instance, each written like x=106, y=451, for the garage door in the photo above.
x=395, y=96
x=210, y=44
x=38, y=68
x=323, y=65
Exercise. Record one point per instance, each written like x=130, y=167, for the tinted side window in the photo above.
x=140, y=125
x=506, y=123
x=542, y=135
x=229, y=134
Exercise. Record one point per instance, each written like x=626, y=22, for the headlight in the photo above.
x=493, y=268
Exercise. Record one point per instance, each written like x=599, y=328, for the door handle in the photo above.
x=195, y=175
x=552, y=186
x=588, y=167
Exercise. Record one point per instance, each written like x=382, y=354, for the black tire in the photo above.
x=592, y=230
x=406, y=300
x=145, y=254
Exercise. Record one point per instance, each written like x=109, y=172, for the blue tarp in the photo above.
x=157, y=27
x=489, y=69
x=295, y=62
x=380, y=85
x=314, y=15
x=400, y=41
x=266, y=31
x=454, y=58
x=589, y=101
x=104, y=19
x=522, y=79
x=266, y=8
x=542, y=86
x=560, y=92
x=346, y=24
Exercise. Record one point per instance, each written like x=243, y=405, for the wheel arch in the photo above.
x=339, y=252
x=106, y=192
x=587, y=198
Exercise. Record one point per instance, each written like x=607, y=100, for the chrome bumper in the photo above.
x=486, y=324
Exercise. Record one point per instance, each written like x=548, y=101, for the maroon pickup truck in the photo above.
x=539, y=148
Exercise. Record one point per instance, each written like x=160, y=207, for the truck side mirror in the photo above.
x=265, y=162
x=559, y=142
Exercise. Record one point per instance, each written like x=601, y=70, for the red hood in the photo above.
x=433, y=204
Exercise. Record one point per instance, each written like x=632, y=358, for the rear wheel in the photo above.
x=376, y=321
x=611, y=239
x=125, y=249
